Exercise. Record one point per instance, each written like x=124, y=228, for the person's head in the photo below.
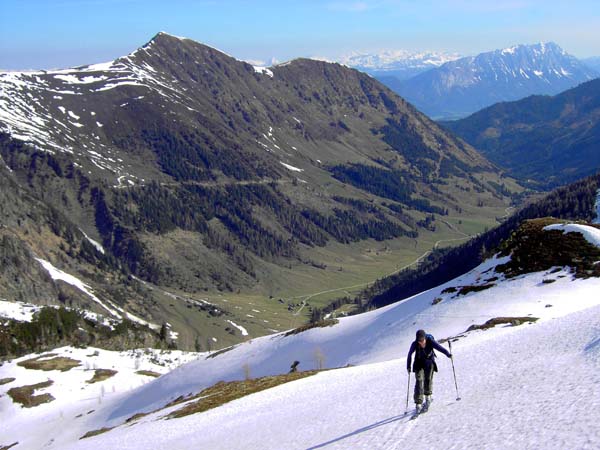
x=421, y=338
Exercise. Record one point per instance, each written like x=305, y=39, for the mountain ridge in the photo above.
x=546, y=140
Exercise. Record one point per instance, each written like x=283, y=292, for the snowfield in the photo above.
x=75, y=397
x=526, y=386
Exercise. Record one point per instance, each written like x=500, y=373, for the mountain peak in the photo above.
x=164, y=40
x=163, y=35
x=540, y=47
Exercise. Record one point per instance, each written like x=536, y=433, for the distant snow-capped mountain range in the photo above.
x=448, y=85
x=398, y=63
x=463, y=86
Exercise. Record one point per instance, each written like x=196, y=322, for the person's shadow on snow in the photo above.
x=360, y=430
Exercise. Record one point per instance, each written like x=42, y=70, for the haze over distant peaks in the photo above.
x=549, y=141
x=593, y=63
x=397, y=59
x=399, y=64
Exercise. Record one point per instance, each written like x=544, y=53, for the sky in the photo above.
x=43, y=34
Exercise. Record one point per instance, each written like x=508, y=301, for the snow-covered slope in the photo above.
x=529, y=387
x=531, y=383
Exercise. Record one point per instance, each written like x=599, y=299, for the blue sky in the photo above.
x=60, y=33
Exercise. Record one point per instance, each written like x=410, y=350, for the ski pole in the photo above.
x=453, y=371
x=407, y=393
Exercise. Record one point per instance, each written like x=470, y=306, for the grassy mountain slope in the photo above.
x=547, y=141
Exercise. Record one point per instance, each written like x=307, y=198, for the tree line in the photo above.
x=576, y=201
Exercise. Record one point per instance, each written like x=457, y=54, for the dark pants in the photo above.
x=424, y=382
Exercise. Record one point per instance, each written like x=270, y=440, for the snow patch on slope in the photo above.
x=96, y=244
x=292, y=168
x=20, y=311
x=239, y=327
x=113, y=309
x=57, y=274
x=263, y=70
x=76, y=400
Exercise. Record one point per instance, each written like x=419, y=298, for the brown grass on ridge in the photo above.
x=95, y=432
x=514, y=321
x=148, y=373
x=223, y=392
x=61, y=363
x=320, y=324
x=101, y=375
x=7, y=447
x=24, y=394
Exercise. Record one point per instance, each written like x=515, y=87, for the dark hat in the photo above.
x=421, y=335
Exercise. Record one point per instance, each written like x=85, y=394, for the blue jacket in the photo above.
x=424, y=356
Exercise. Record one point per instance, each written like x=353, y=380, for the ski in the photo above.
x=417, y=413
x=423, y=410
x=426, y=405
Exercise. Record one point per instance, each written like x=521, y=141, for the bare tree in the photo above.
x=246, y=368
x=319, y=358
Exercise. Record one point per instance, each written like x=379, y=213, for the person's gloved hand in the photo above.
x=450, y=355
